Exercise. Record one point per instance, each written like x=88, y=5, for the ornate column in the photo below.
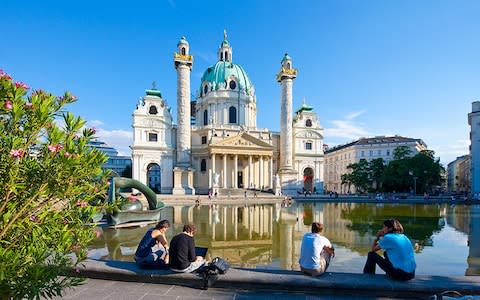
x=183, y=172
x=288, y=176
x=270, y=175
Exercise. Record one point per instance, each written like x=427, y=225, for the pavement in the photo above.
x=124, y=280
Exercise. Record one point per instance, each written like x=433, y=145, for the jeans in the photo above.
x=374, y=259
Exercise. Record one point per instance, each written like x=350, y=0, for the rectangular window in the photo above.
x=152, y=137
x=388, y=152
x=204, y=140
x=379, y=152
x=363, y=153
x=371, y=152
x=308, y=146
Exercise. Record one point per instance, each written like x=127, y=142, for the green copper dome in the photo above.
x=221, y=73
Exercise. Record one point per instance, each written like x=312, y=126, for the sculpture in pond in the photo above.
x=133, y=209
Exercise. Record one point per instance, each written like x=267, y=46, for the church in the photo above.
x=216, y=146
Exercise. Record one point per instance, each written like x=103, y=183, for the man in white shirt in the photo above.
x=316, y=252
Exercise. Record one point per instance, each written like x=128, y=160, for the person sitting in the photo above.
x=182, y=251
x=316, y=252
x=152, y=251
x=398, y=261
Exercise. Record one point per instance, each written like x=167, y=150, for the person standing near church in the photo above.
x=316, y=251
x=182, y=251
x=398, y=261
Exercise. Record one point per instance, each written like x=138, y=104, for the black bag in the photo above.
x=220, y=265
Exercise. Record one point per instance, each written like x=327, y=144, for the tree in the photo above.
x=359, y=175
x=401, y=152
x=50, y=181
x=377, y=168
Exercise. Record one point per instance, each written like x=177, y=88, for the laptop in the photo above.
x=201, y=251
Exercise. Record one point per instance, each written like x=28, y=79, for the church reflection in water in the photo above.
x=269, y=235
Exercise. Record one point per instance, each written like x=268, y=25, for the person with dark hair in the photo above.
x=152, y=251
x=316, y=252
x=398, y=261
x=182, y=251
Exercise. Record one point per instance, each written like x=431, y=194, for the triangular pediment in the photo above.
x=243, y=141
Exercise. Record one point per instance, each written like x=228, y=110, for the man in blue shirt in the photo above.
x=398, y=261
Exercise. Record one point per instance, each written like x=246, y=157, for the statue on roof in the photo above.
x=224, y=34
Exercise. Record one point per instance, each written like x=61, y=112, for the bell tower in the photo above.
x=225, y=51
x=288, y=175
x=183, y=171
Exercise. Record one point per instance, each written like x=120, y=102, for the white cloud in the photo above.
x=117, y=138
x=94, y=123
x=449, y=152
x=347, y=129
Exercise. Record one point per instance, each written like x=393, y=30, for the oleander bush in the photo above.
x=51, y=184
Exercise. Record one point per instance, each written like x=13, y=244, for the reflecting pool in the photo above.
x=268, y=236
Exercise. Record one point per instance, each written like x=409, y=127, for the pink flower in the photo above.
x=81, y=203
x=55, y=148
x=29, y=105
x=132, y=198
x=4, y=75
x=33, y=218
x=22, y=85
x=65, y=221
x=16, y=153
x=77, y=270
x=67, y=154
x=8, y=104
x=97, y=233
x=95, y=189
x=74, y=98
x=94, y=130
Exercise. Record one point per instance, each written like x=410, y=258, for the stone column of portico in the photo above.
x=270, y=175
x=250, y=173
x=213, y=168
x=288, y=176
x=261, y=161
x=225, y=171
x=235, y=173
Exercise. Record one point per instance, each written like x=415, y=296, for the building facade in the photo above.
x=458, y=175
x=119, y=164
x=338, y=158
x=216, y=145
x=474, y=122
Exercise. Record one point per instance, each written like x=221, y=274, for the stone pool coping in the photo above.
x=260, y=279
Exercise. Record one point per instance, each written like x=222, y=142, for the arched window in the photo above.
x=183, y=51
x=221, y=56
x=205, y=117
x=308, y=123
x=152, y=110
x=232, y=115
x=232, y=84
x=205, y=89
x=203, y=165
x=226, y=56
x=288, y=65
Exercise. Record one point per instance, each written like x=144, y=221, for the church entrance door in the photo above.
x=154, y=177
x=308, y=180
x=240, y=179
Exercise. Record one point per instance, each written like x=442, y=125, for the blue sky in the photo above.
x=369, y=68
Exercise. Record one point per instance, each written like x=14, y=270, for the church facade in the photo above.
x=216, y=145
